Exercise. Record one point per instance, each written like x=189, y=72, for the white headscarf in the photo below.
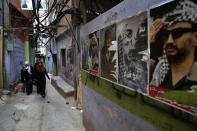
x=28, y=67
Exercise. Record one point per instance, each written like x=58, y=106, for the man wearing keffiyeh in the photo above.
x=177, y=68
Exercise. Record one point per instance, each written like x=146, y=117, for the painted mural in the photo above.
x=109, y=53
x=133, y=52
x=173, y=54
x=93, y=52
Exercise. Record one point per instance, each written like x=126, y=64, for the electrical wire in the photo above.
x=59, y=14
x=73, y=34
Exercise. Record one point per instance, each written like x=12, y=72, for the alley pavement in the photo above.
x=34, y=113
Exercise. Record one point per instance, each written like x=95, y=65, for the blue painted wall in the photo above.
x=14, y=60
x=50, y=63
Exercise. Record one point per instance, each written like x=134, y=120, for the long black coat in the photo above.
x=41, y=81
x=27, y=78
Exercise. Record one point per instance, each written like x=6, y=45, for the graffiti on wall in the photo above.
x=132, y=56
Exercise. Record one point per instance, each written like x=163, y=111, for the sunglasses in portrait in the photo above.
x=176, y=33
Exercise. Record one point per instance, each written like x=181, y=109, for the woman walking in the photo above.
x=27, y=76
x=40, y=71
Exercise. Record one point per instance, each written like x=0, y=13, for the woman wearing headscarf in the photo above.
x=40, y=72
x=26, y=77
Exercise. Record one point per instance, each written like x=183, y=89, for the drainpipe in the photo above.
x=1, y=57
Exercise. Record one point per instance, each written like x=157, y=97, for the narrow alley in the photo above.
x=34, y=113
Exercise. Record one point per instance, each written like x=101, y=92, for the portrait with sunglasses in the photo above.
x=173, y=52
x=173, y=43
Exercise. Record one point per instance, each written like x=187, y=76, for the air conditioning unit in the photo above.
x=10, y=46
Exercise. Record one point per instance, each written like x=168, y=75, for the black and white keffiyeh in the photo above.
x=161, y=70
x=165, y=66
x=186, y=10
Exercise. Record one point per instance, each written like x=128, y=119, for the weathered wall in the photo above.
x=119, y=12
x=64, y=41
x=14, y=60
x=64, y=22
x=101, y=114
x=109, y=106
x=16, y=22
x=17, y=5
x=50, y=63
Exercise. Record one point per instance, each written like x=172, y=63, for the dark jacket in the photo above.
x=25, y=76
x=41, y=75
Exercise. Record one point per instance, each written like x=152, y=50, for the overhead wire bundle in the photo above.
x=59, y=11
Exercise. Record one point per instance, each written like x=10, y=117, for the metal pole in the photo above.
x=1, y=45
x=1, y=57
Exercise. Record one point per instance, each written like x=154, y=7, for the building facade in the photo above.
x=17, y=47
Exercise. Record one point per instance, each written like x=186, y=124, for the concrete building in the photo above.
x=62, y=47
x=65, y=56
x=17, y=46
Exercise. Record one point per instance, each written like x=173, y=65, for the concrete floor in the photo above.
x=34, y=113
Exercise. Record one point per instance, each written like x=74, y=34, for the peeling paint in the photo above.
x=108, y=110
